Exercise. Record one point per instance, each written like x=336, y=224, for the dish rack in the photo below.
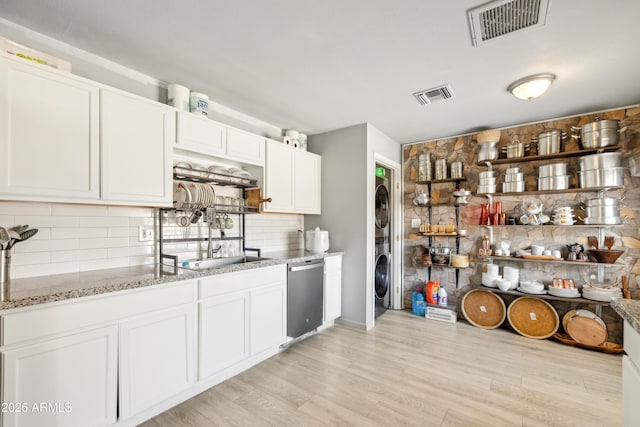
x=210, y=212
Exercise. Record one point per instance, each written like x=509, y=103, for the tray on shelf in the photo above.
x=544, y=296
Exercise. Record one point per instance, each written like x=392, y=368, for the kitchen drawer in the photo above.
x=241, y=280
x=51, y=319
x=632, y=343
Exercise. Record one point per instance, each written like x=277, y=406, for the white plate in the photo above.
x=563, y=292
x=521, y=289
x=183, y=165
x=179, y=192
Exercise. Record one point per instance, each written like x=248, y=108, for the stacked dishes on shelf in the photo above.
x=490, y=277
x=513, y=181
x=603, y=294
x=601, y=170
x=487, y=182
x=553, y=177
x=532, y=287
x=563, y=216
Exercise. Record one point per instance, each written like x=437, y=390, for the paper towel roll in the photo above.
x=286, y=140
x=178, y=96
x=199, y=103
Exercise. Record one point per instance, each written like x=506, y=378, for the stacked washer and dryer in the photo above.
x=383, y=211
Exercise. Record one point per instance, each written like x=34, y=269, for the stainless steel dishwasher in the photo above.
x=304, y=297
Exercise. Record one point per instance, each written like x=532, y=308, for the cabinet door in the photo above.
x=332, y=288
x=279, y=177
x=268, y=317
x=157, y=358
x=201, y=135
x=74, y=376
x=630, y=392
x=137, y=138
x=306, y=182
x=49, y=134
x=245, y=147
x=224, y=333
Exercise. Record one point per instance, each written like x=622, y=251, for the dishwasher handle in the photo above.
x=302, y=267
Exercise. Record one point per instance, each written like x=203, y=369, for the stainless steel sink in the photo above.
x=219, y=262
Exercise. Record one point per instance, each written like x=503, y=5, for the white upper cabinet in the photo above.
x=201, y=135
x=245, y=147
x=279, y=178
x=49, y=134
x=204, y=136
x=306, y=184
x=292, y=179
x=137, y=137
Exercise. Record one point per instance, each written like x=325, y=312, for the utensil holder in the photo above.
x=5, y=265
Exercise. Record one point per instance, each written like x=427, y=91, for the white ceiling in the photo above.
x=321, y=65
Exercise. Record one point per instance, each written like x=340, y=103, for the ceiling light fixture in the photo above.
x=532, y=86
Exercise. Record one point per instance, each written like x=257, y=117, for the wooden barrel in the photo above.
x=483, y=309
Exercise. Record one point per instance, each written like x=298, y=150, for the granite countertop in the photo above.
x=39, y=290
x=629, y=310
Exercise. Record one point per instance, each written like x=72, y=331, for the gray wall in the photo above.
x=344, y=201
x=348, y=179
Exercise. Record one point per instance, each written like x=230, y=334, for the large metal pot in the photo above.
x=513, y=187
x=552, y=169
x=600, y=161
x=488, y=151
x=602, y=211
x=601, y=133
x=602, y=201
x=555, y=182
x=611, y=177
x=550, y=142
x=515, y=149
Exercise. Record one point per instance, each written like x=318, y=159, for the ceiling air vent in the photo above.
x=501, y=17
x=434, y=94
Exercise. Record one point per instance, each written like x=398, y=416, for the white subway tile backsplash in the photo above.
x=73, y=238
x=122, y=232
x=35, y=245
x=102, y=221
x=78, y=255
x=27, y=258
x=33, y=270
x=101, y=264
x=38, y=221
x=78, y=210
x=71, y=233
x=110, y=242
x=24, y=208
x=131, y=211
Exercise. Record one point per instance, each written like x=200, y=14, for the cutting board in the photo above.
x=586, y=331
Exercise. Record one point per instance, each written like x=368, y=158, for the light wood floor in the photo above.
x=412, y=371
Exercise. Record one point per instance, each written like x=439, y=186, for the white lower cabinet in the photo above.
x=242, y=317
x=268, y=317
x=630, y=377
x=332, y=287
x=224, y=333
x=67, y=381
x=157, y=358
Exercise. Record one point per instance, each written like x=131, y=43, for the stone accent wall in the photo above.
x=464, y=148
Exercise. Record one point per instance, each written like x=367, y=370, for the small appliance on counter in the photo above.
x=317, y=241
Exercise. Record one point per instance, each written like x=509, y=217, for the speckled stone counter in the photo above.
x=39, y=290
x=629, y=310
